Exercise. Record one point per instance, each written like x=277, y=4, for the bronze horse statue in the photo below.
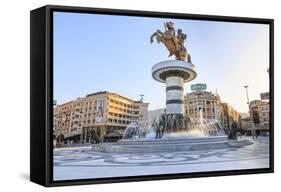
x=174, y=44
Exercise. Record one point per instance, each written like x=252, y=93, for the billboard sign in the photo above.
x=99, y=111
x=199, y=87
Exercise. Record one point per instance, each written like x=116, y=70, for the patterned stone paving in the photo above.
x=82, y=162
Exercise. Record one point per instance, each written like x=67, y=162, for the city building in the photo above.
x=246, y=123
x=211, y=106
x=209, y=103
x=102, y=114
x=260, y=113
x=230, y=116
x=64, y=118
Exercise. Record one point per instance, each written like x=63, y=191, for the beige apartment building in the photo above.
x=230, y=115
x=212, y=108
x=260, y=113
x=63, y=118
x=101, y=113
x=209, y=103
x=246, y=123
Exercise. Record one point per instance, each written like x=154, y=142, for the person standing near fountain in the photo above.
x=159, y=127
x=174, y=73
x=157, y=131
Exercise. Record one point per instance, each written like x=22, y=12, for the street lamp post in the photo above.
x=253, y=129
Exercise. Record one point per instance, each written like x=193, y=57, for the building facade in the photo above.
x=230, y=116
x=212, y=108
x=100, y=113
x=209, y=103
x=246, y=123
x=260, y=113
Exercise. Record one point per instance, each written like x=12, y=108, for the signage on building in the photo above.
x=265, y=96
x=198, y=87
x=99, y=111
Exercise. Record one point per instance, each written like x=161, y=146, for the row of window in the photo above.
x=118, y=121
x=123, y=104
x=202, y=101
x=197, y=110
x=123, y=109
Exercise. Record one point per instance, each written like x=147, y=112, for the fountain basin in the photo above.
x=169, y=144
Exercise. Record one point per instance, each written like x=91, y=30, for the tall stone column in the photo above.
x=174, y=95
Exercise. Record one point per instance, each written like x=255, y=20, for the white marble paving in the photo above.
x=82, y=162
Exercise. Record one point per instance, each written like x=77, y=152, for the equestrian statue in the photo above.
x=173, y=42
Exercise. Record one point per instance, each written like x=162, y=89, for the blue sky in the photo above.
x=113, y=53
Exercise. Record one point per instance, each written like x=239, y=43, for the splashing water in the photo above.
x=174, y=126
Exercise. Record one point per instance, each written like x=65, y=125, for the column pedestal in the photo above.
x=174, y=95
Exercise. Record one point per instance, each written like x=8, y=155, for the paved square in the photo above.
x=83, y=163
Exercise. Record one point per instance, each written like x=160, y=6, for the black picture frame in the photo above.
x=41, y=94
